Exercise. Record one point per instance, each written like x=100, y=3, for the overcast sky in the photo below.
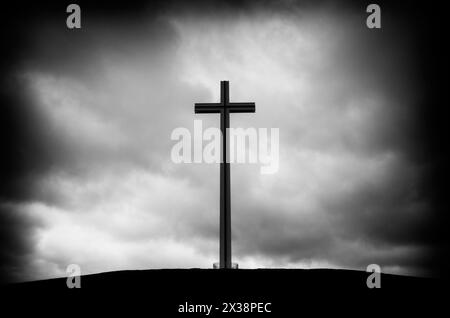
x=100, y=189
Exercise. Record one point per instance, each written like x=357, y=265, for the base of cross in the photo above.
x=233, y=266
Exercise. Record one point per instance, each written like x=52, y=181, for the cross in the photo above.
x=224, y=108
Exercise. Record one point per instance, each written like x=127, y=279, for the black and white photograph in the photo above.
x=217, y=158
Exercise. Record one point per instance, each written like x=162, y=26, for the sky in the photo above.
x=92, y=181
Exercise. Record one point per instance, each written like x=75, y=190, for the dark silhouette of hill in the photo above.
x=161, y=292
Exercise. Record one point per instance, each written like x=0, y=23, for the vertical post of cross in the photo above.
x=225, y=192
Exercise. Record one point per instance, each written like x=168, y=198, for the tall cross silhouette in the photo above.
x=224, y=108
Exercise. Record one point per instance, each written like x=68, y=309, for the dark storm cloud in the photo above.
x=81, y=56
x=381, y=213
x=88, y=138
x=29, y=148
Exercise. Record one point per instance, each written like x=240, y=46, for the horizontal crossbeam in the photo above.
x=241, y=107
x=208, y=108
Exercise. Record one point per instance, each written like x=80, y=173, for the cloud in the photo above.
x=104, y=103
x=99, y=230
